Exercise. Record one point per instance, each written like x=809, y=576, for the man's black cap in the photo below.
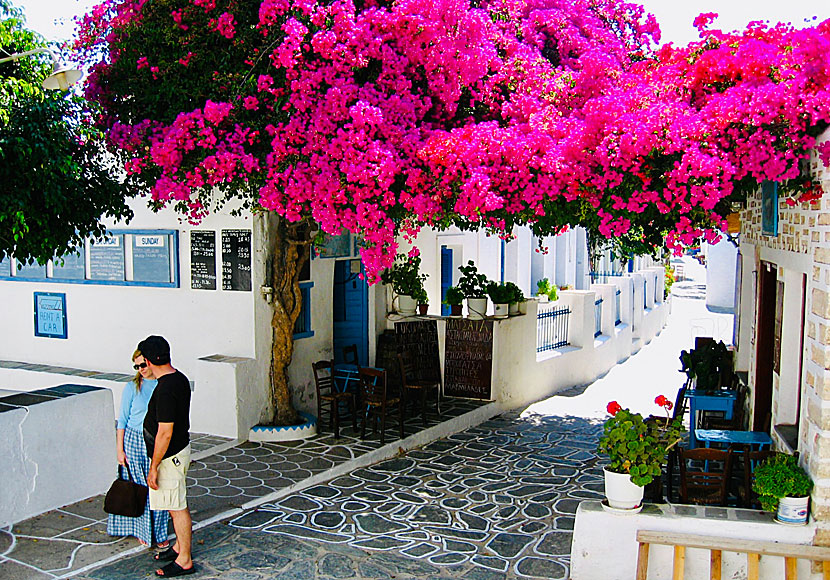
x=155, y=349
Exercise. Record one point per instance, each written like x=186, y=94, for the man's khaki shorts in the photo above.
x=172, y=492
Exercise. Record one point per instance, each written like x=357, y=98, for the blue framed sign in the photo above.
x=769, y=208
x=50, y=315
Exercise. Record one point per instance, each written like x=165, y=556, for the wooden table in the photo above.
x=728, y=437
x=700, y=400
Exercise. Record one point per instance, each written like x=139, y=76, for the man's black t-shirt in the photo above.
x=170, y=403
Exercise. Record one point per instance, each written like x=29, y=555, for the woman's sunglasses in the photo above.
x=140, y=366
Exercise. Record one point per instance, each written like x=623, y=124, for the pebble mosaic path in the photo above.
x=494, y=502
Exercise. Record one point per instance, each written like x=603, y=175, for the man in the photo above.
x=166, y=435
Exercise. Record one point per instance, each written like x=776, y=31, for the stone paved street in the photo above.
x=494, y=501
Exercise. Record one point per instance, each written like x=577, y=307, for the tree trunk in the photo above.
x=291, y=250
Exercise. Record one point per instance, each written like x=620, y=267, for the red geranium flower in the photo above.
x=613, y=407
x=662, y=401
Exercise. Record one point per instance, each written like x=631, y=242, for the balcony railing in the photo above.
x=552, y=328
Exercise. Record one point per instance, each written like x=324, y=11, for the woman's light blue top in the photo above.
x=134, y=404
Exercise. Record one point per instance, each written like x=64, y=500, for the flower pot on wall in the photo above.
x=513, y=309
x=406, y=305
x=793, y=510
x=422, y=309
x=522, y=307
x=476, y=308
x=620, y=492
x=501, y=310
x=456, y=309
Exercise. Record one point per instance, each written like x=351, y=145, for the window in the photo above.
x=302, y=328
x=124, y=258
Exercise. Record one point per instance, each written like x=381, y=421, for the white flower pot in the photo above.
x=406, y=305
x=793, y=510
x=513, y=309
x=523, y=307
x=620, y=492
x=500, y=310
x=476, y=308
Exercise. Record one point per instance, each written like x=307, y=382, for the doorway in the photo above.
x=765, y=349
x=350, y=310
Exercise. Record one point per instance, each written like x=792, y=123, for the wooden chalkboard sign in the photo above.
x=151, y=257
x=203, y=260
x=386, y=357
x=468, y=359
x=106, y=259
x=420, y=339
x=70, y=266
x=236, y=260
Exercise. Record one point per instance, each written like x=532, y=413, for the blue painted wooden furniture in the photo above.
x=699, y=400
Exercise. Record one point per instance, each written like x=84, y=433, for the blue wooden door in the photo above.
x=446, y=277
x=350, y=311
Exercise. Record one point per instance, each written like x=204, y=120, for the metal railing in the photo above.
x=597, y=317
x=602, y=277
x=645, y=296
x=617, y=309
x=552, y=328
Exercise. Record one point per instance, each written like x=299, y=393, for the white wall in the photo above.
x=49, y=463
x=721, y=268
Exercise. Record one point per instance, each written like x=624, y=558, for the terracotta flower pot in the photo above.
x=422, y=309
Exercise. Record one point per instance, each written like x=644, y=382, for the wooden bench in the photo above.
x=752, y=548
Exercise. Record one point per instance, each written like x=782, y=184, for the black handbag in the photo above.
x=125, y=497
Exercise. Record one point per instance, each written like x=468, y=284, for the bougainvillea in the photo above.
x=380, y=117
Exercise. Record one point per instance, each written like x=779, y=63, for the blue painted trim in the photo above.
x=300, y=335
x=503, y=251
x=310, y=421
x=305, y=312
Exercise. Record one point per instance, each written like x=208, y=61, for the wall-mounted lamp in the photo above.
x=267, y=293
x=62, y=76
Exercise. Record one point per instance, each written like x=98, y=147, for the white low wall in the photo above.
x=612, y=553
x=55, y=452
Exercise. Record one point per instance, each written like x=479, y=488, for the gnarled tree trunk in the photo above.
x=291, y=250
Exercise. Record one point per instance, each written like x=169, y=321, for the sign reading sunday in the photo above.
x=468, y=358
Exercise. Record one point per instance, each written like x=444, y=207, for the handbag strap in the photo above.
x=129, y=475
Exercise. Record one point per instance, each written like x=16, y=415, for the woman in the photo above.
x=152, y=525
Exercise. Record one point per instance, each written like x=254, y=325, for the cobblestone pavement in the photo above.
x=496, y=501
x=223, y=476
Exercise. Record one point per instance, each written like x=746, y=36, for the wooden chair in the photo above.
x=708, y=485
x=350, y=355
x=749, y=459
x=678, y=412
x=376, y=402
x=414, y=389
x=327, y=392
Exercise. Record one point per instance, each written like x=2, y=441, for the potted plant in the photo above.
x=406, y=281
x=543, y=288
x=784, y=487
x=517, y=297
x=500, y=294
x=454, y=298
x=474, y=287
x=422, y=300
x=637, y=450
x=707, y=365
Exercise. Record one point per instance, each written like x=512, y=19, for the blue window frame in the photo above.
x=302, y=328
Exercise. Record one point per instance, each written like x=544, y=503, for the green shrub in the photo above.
x=779, y=476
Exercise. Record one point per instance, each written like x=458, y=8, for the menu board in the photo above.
x=420, y=340
x=203, y=260
x=236, y=260
x=468, y=359
x=151, y=257
x=69, y=266
x=334, y=246
x=386, y=357
x=106, y=259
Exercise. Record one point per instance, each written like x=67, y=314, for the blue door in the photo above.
x=350, y=311
x=446, y=277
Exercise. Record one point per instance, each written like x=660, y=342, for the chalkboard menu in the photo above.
x=106, y=259
x=468, y=360
x=203, y=260
x=236, y=260
x=69, y=267
x=151, y=258
x=420, y=340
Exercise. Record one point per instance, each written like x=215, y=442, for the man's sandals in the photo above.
x=172, y=569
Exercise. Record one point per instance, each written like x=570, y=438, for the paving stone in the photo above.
x=300, y=503
x=474, y=522
x=382, y=543
x=509, y=545
x=431, y=515
x=260, y=561
x=541, y=568
x=49, y=524
x=307, y=533
x=337, y=566
x=555, y=544
x=420, y=550
x=458, y=546
x=328, y=519
x=375, y=524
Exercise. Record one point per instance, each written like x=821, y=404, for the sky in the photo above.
x=53, y=18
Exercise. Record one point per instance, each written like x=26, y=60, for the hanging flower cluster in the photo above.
x=381, y=116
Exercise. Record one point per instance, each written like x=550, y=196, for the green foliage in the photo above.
x=405, y=277
x=420, y=296
x=516, y=294
x=709, y=364
x=454, y=296
x=499, y=293
x=472, y=284
x=57, y=180
x=780, y=476
x=669, y=277
x=638, y=447
x=545, y=288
